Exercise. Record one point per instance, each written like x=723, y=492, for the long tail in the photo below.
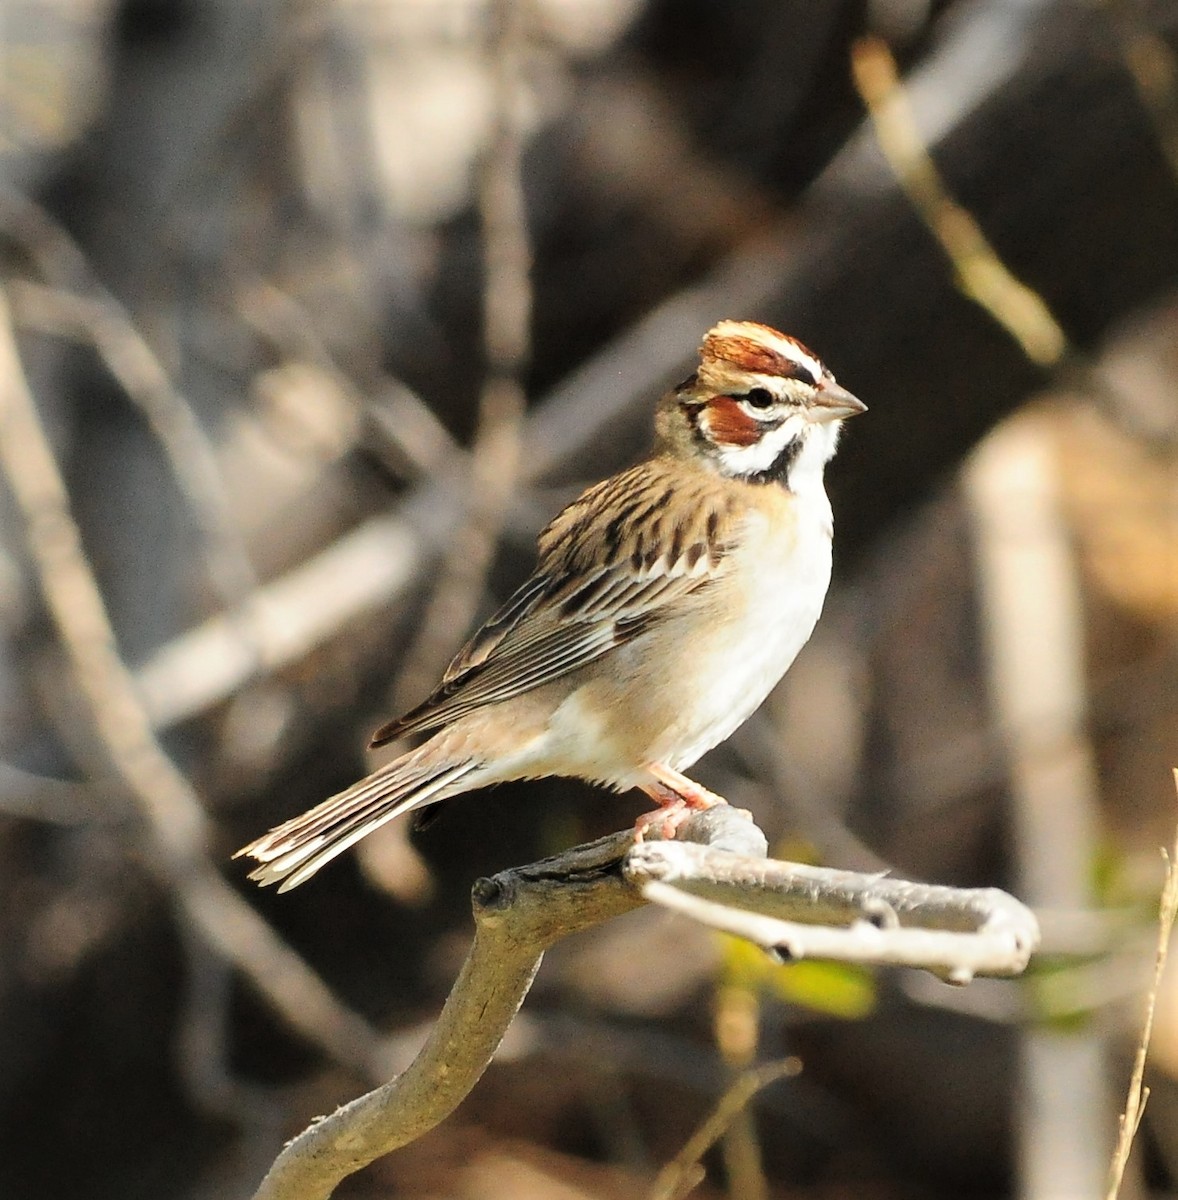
x=292, y=852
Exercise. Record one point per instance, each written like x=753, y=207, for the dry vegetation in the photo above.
x=313, y=313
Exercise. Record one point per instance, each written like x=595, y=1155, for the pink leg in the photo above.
x=677, y=797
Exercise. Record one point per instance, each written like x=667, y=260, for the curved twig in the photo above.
x=522, y=912
x=799, y=911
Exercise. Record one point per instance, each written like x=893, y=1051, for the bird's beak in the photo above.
x=834, y=403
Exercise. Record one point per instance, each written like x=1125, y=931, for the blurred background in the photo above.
x=322, y=309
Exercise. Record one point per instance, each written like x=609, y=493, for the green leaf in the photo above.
x=835, y=989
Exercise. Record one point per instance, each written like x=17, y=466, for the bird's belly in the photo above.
x=674, y=693
x=733, y=670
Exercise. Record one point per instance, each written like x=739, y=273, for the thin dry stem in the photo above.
x=1130, y=1120
x=736, y=1027
x=981, y=274
x=683, y=1172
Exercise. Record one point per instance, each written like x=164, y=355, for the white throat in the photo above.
x=818, y=446
x=815, y=446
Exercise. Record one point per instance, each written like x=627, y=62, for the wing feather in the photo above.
x=610, y=565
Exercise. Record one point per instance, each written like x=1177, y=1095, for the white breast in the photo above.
x=782, y=576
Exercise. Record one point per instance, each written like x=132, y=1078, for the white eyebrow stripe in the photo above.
x=794, y=351
x=786, y=347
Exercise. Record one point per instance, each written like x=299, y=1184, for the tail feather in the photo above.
x=292, y=852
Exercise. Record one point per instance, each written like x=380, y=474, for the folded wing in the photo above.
x=610, y=564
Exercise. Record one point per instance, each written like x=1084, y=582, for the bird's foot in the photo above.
x=678, y=798
x=667, y=819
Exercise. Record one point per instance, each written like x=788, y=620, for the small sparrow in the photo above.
x=667, y=602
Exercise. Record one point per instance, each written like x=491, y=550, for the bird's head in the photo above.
x=760, y=407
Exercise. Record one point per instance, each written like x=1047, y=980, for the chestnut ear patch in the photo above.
x=727, y=424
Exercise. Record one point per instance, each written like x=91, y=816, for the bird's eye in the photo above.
x=759, y=398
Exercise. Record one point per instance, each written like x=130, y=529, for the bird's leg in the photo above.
x=677, y=797
x=679, y=787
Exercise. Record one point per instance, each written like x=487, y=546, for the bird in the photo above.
x=667, y=602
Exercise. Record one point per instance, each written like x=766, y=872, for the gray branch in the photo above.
x=715, y=872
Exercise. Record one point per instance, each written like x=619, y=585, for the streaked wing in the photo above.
x=610, y=565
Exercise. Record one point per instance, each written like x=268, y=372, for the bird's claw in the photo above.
x=678, y=798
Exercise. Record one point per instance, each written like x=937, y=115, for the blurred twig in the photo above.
x=681, y=1175
x=981, y=274
x=204, y=1043
x=1130, y=1119
x=1033, y=632
x=399, y=416
x=176, y=829
x=1154, y=69
x=79, y=305
x=292, y=615
x=507, y=313
x=736, y=1029
x=42, y=798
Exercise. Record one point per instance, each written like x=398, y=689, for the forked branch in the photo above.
x=715, y=872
